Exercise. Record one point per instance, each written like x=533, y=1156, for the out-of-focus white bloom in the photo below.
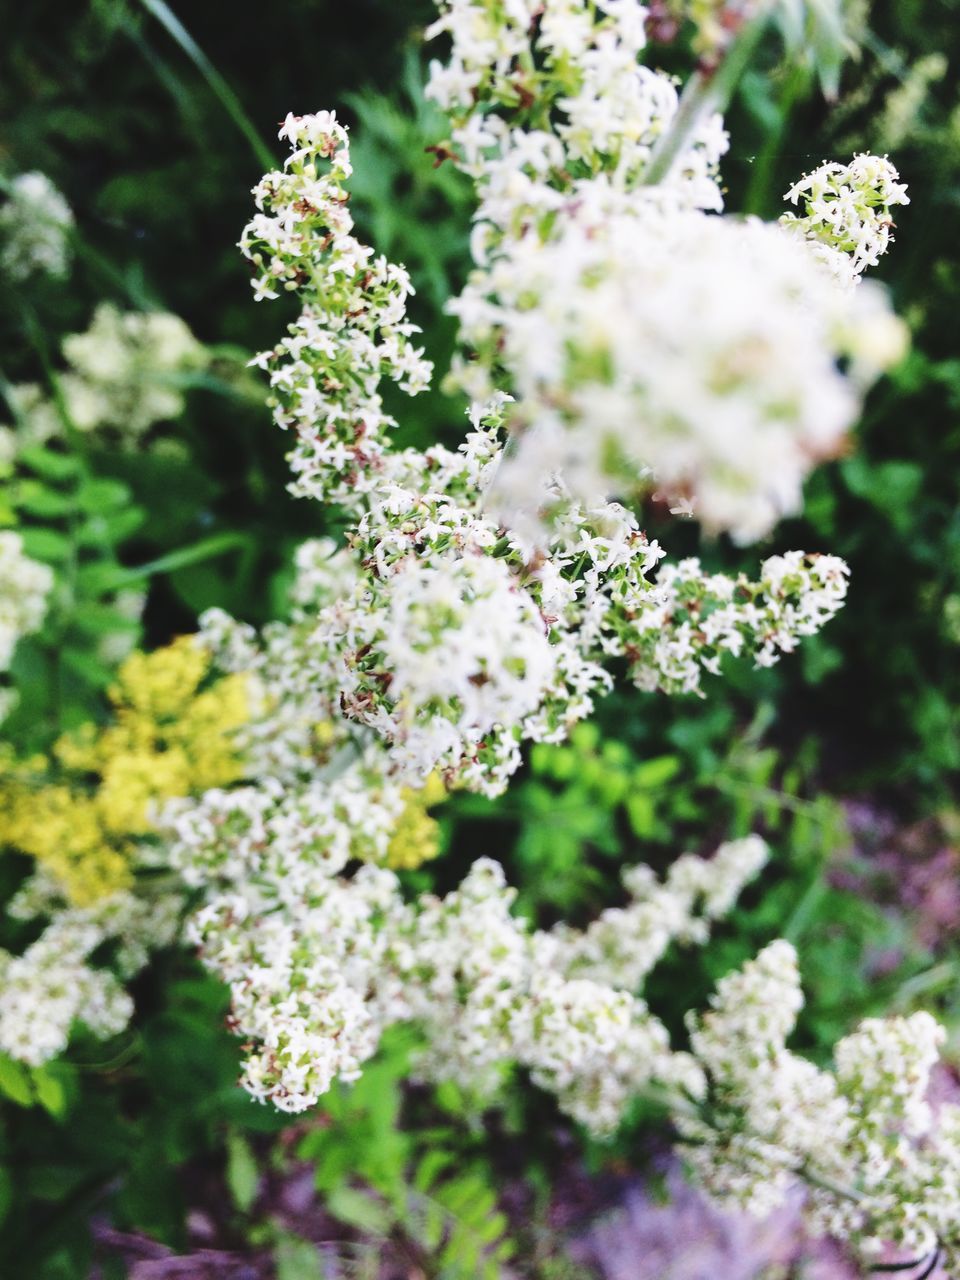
x=35, y=227
x=780, y=1110
x=124, y=370
x=643, y=340
x=879, y=1172
x=624, y=944
x=751, y=1013
x=37, y=418
x=53, y=985
x=846, y=212
x=124, y=374
x=892, y=1058
x=699, y=349
x=24, y=587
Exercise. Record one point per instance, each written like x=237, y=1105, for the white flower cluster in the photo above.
x=124, y=370
x=24, y=587
x=846, y=212
x=645, y=338
x=54, y=985
x=437, y=635
x=544, y=97
x=35, y=226
x=695, y=352
x=124, y=374
x=320, y=963
x=695, y=618
x=878, y=1168
x=501, y=660
x=352, y=332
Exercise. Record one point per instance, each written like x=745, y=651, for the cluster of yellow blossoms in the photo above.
x=416, y=838
x=174, y=732
x=81, y=811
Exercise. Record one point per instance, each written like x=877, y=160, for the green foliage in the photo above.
x=421, y=1189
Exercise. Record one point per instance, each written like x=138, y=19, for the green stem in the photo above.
x=758, y=190
x=229, y=100
x=823, y=1183
x=206, y=549
x=705, y=92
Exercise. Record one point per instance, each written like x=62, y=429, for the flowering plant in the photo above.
x=622, y=339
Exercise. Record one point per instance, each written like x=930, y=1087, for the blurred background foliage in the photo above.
x=846, y=757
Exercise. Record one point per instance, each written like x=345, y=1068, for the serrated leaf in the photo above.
x=433, y=1164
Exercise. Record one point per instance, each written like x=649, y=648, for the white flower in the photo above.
x=35, y=227
x=698, y=349
x=24, y=587
x=124, y=368
x=847, y=216
x=352, y=331
x=54, y=985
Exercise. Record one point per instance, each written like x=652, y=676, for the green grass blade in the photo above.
x=229, y=100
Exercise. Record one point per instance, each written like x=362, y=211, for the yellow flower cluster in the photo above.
x=168, y=737
x=417, y=836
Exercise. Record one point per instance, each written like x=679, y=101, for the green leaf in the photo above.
x=217, y=544
x=96, y=620
x=228, y=99
x=48, y=463
x=89, y=669
x=242, y=1175
x=111, y=527
x=359, y=1209
x=97, y=496
x=430, y=1168
x=656, y=772
x=50, y=1092
x=15, y=1082
x=36, y=499
x=46, y=544
x=892, y=487
x=642, y=814
x=298, y=1259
